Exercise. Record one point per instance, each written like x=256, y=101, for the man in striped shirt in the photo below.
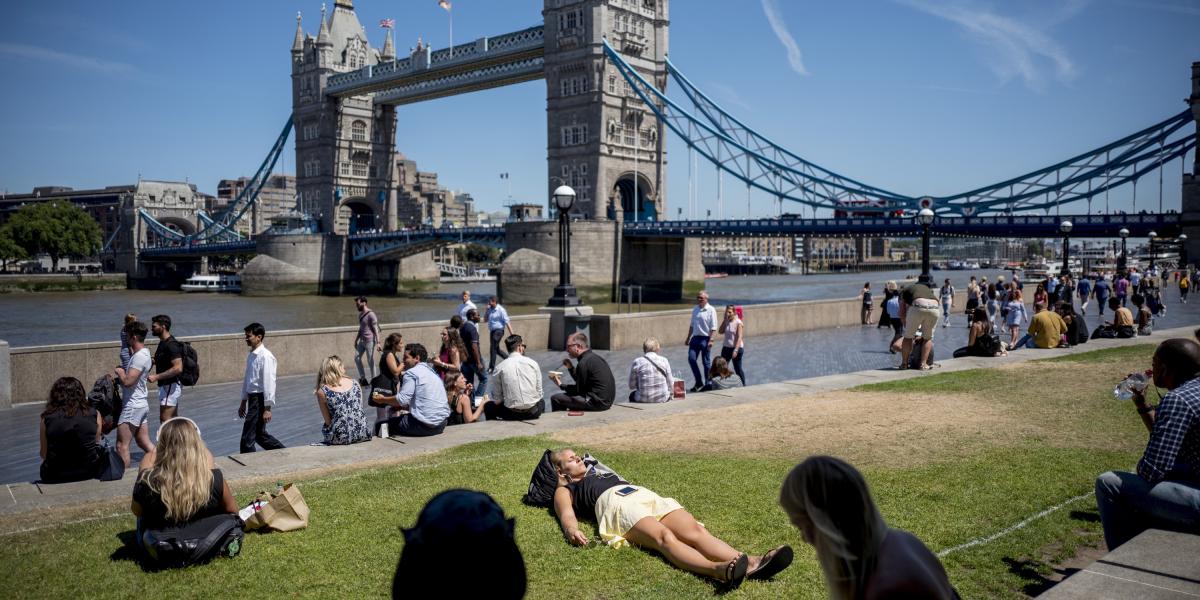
x=1165, y=491
x=650, y=376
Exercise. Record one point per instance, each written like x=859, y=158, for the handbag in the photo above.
x=114, y=467
x=195, y=543
x=286, y=511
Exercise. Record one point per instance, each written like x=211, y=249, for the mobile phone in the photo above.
x=627, y=490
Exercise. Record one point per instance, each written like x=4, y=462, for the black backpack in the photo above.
x=544, y=481
x=195, y=543
x=191, y=365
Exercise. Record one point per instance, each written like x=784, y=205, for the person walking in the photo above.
x=466, y=305
x=1083, y=289
x=472, y=364
x=168, y=364
x=126, y=354
x=258, y=392
x=972, y=297
x=497, y=322
x=699, y=339
x=1016, y=317
x=867, y=307
x=132, y=424
x=734, y=330
x=885, y=319
x=1184, y=283
x=1101, y=291
x=367, y=342
x=947, y=297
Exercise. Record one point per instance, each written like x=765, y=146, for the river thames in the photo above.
x=33, y=319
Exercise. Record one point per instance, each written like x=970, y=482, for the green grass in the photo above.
x=353, y=542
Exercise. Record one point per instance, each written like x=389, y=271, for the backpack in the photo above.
x=191, y=365
x=544, y=481
x=195, y=543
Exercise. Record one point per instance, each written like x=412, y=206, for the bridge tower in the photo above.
x=1191, y=181
x=602, y=139
x=345, y=148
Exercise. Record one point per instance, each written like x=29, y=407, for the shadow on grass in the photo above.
x=1031, y=572
x=1090, y=516
x=129, y=551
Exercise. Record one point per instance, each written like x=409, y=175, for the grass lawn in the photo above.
x=1064, y=430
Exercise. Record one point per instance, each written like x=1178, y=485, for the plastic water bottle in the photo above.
x=383, y=430
x=1134, y=383
x=278, y=488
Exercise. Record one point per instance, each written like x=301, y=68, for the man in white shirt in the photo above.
x=650, y=376
x=497, y=322
x=132, y=422
x=517, y=385
x=466, y=305
x=258, y=392
x=700, y=338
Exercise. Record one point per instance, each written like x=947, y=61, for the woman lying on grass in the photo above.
x=638, y=515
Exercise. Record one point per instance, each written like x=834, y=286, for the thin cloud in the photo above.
x=795, y=59
x=728, y=95
x=1189, y=8
x=78, y=61
x=1019, y=49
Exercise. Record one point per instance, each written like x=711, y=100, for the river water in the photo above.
x=32, y=319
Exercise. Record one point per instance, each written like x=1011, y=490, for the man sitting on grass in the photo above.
x=638, y=515
x=1165, y=491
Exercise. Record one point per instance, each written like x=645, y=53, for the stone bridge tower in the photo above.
x=1191, y=181
x=344, y=148
x=602, y=139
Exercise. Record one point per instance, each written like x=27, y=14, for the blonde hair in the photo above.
x=331, y=373
x=847, y=530
x=556, y=457
x=129, y=318
x=181, y=476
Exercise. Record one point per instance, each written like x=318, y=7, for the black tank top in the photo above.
x=586, y=491
x=72, y=453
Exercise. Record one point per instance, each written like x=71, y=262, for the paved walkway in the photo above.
x=768, y=359
x=302, y=458
x=1155, y=565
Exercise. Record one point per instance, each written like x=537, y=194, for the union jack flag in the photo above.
x=387, y=23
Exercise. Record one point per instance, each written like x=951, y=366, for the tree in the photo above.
x=57, y=228
x=9, y=249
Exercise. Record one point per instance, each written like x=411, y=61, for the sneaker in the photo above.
x=362, y=381
x=696, y=388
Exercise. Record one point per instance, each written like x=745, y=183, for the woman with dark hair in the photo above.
x=981, y=341
x=391, y=366
x=70, y=435
x=451, y=355
x=177, y=483
x=720, y=377
x=453, y=525
x=860, y=556
x=458, y=394
x=867, y=307
x=1040, y=296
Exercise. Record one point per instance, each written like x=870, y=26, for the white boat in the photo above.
x=212, y=283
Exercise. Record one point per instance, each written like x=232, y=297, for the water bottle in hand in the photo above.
x=1134, y=383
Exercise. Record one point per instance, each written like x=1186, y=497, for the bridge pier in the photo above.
x=319, y=264
x=601, y=258
x=1191, y=181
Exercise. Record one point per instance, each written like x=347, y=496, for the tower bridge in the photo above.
x=605, y=67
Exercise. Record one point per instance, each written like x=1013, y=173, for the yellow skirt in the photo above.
x=618, y=514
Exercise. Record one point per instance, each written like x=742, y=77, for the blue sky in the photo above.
x=917, y=96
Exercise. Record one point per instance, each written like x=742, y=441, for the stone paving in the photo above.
x=769, y=359
x=243, y=469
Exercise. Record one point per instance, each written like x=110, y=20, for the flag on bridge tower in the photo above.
x=387, y=23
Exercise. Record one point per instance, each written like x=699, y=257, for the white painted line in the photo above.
x=1008, y=530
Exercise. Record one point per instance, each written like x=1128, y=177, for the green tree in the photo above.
x=9, y=249
x=57, y=228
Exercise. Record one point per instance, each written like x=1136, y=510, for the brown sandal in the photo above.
x=735, y=571
x=772, y=563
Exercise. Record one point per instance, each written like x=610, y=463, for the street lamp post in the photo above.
x=925, y=218
x=564, y=293
x=1153, y=236
x=1065, y=227
x=1121, y=260
x=1183, y=251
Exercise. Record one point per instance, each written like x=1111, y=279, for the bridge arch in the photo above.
x=629, y=199
x=359, y=214
x=177, y=224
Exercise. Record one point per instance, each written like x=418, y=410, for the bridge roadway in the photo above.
x=769, y=358
x=398, y=244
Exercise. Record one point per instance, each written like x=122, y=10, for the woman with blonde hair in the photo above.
x=340, y=401
x=860, y=556
x=177, y=483
x=633, y=514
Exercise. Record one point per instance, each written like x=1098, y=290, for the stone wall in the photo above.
x=222, y=357
x=593, y=246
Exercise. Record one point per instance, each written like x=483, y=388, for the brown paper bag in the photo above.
x=285, y=512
